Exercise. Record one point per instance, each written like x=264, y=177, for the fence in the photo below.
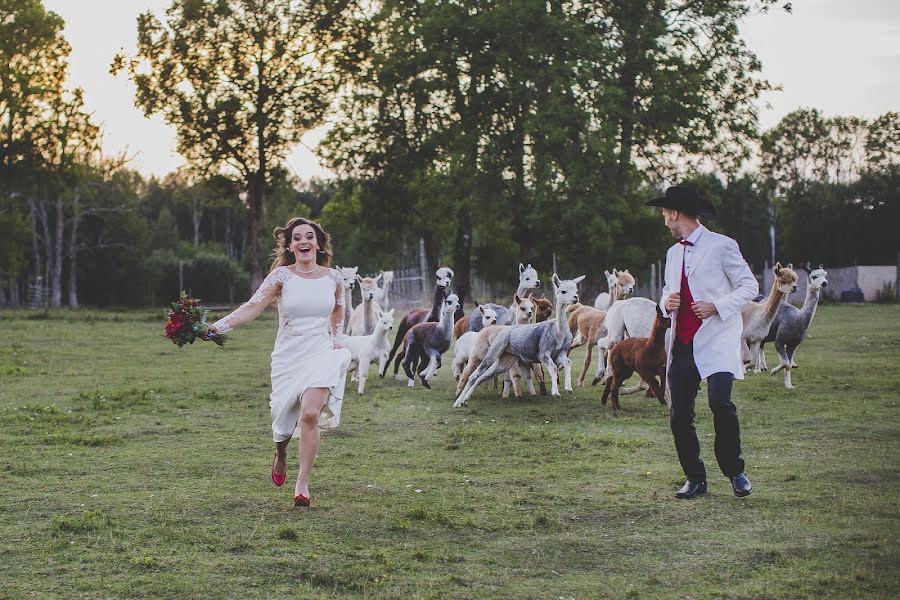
x=870, y=279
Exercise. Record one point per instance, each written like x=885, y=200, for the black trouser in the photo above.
x=684, y=383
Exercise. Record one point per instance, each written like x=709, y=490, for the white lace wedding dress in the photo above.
x=310, y=312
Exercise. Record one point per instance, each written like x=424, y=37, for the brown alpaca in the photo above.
x=647, y=356
x=588, y=325
x=543, y=310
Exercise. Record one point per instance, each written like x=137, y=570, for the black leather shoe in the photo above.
x=691, y=489
x=741, y=485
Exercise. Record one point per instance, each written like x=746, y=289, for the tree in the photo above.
x=241, y=81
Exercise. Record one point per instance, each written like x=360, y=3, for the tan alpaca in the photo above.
x=758, y=317
x=588, y=325
x=364, y=317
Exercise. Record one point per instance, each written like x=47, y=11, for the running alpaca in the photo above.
x=528, y=283
x=382, y=294
x=647, y=356
x=443, y=277
x=472, y=347
x=546, y=343
x=758, y=317
x=428, y=341
x=621, y=285
x=488, y=318
x=587, y=324
x=791, y=324
x=348, y=275
x=634, y=317
x=362, y=321
x=367, y=349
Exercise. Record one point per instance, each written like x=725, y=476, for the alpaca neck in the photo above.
x=658, y=336
x=436, y=301
x=809, y=305
x=368, y=314
x=523, y=291
x=445, y=325
x=562, y=325
x=348, y=307
x=772, y=302
x=614, y=295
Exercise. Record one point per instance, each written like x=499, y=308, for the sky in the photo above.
x=840, y=56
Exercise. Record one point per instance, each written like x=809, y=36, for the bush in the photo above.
x=887, y=294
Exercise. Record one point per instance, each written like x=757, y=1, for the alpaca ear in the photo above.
x=606, y=273
x=777, y=268
x=790, y=266
x=555, y=279
x=518, y=300
x=359, y=279
x=390, y=312
x=481, y=309
x=806, y=268
x=822, y=267
x=625, y=271
x=521, y=268
x=578, y=279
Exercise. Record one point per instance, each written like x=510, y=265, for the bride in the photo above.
x=309, y=367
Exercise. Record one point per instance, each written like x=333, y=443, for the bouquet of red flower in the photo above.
x=186, y=322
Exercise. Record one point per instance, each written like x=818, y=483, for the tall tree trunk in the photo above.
x=255, y=224
x=35, y=243
x=462, y=258
x=196, y=216
x=56, y=272
x=72, y=255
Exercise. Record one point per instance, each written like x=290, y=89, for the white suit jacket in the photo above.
x=718, y=274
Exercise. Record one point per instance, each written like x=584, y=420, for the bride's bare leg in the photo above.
x=280, y=466
x=310, y=406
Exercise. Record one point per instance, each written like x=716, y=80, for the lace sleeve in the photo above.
x=337, y=315
x=268, y=291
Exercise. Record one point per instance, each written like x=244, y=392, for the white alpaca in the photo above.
x=367, y=349
x=382, y=295
x=362, y=321
x=621, y=285
x=348, y=275
x=633, y=317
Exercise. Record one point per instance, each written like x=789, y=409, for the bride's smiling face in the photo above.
x=303, y=243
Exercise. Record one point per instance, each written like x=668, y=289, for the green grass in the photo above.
x=129, y=468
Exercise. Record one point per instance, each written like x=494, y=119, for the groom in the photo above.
x=707, y=282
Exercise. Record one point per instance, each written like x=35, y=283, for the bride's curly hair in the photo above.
x=282, y=255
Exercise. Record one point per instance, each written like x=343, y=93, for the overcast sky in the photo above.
x=841, y=56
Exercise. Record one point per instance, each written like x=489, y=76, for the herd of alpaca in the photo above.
x=521, y=339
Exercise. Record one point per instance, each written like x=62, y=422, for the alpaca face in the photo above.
x=528, y=277
x=662, y=321
x=818, y=278
x=786, y=279
x=387, y=277
x=451, y=304
x=543, y=309
x=566, y=289
x=488, y=315
x=368, y=286
x=443, y=277
x=386, y=320
x=524, y=310
x=625, y=281
x=348, y=274
x=612, y=277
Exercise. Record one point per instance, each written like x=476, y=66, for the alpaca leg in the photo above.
x=363, y=376
x=481, y=374
x=471, y=366
x=761, y=365
x=382, y=363
x=410, y=364
x=429, y=371
x=457, y=365
x=607, y=388
x=554, y=375
x=507, y=383
x=782, y=355
x=601, y=361
x=789, y=354
x=529, y=380
x=516, y=373
x=655, y=389
x=587, y=363
x=538, y=371
x=566, y=363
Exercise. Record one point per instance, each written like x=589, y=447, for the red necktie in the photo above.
x=686, y=323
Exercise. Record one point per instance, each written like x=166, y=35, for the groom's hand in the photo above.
x=704, y=310
x=673, y=302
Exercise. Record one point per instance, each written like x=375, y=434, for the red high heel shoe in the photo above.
x=277, y=479
x=301, y=500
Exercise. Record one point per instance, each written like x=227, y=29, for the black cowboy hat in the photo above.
x=684, y=198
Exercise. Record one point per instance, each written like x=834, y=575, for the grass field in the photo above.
x=129, y=468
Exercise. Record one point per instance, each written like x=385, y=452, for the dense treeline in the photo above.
x=498, y=132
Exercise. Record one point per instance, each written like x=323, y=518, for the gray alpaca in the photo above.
x=546, y=343
x=791, y=324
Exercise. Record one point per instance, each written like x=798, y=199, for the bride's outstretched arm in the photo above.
x=337, y=315
x=268, y=291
